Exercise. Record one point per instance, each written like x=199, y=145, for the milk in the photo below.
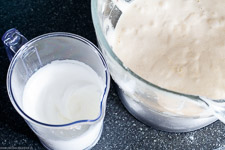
x=87, y=140
x=63, y=92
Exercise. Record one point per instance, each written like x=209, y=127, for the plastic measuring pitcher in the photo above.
x=29, y=56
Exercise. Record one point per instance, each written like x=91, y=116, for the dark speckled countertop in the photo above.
x=121, y=130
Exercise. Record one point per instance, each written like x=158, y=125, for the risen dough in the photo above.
x=176, y=44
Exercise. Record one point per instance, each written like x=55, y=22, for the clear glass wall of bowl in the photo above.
x=149, y=103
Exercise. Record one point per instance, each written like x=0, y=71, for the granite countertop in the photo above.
x=121, y=129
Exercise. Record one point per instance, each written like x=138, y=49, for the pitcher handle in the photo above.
x=13, y=40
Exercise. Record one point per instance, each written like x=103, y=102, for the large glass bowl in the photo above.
x=149, y=103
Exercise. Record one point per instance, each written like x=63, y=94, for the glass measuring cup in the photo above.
x=31, y=56
x=164, y=109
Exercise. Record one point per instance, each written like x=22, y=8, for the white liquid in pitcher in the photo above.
x=176, y=44
x=63, y=92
